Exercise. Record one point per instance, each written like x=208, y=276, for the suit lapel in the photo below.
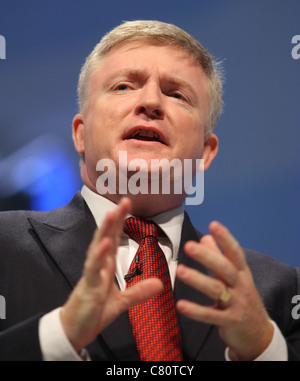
x=193, y=333
x=65, y=235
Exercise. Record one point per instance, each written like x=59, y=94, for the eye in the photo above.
x=122, y=87
x=176, y=95
x=179, y=96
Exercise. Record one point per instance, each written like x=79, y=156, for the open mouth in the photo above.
x=145, y=135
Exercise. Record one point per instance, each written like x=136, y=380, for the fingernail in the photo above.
x=181, y=270
x=191, y=247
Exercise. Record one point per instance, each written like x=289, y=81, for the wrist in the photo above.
x=251, y=352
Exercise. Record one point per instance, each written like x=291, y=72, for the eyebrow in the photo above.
x=140, y=74
x=181, y=83
x=129, y=73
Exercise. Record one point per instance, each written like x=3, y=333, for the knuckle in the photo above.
x=217, y=288
x=88, y=267
x=235, y=245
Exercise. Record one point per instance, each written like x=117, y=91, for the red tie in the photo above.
x=154, y=321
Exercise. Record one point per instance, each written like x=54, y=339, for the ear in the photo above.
x=78, y=133
x=211, y=145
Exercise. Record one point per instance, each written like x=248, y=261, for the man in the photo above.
x=150, y=90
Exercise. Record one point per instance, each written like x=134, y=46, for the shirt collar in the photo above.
x=170, y=221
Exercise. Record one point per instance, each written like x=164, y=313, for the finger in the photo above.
x=105, y=243
x=141, y=291
x=107, y=276
x=201, y=282
x=102, y=231
x=120, y=214
x=113, y=223
x=218, y=264
x=208, y=241
x=229, y=244
x=204, y=314
x=95, y=260
x=122, y=211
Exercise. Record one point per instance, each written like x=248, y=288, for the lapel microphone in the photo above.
x=136, y=270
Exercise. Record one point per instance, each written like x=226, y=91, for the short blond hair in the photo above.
x=162, y=34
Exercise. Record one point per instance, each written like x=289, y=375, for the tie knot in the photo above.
x=138, y=228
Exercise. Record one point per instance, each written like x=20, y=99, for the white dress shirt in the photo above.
x=54, y=343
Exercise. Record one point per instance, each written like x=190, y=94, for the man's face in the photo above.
x=150, y=101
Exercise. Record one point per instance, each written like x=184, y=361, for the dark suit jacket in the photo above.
x=41, y=260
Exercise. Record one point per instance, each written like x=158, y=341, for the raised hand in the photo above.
x=239, y=313
x=96, y=300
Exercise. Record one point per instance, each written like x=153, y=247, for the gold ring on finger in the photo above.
x=224, y=295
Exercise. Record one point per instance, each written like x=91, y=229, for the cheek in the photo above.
x=101, y=123
x=109, y=113
x=102, y=131
x=190, y=128
x=191, y=142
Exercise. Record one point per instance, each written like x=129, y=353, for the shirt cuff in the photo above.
x=55, y=345
x=276, y=351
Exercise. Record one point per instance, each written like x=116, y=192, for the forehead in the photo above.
x=137, y=48
x=147, y=56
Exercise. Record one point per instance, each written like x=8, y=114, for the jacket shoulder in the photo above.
x=19, y=219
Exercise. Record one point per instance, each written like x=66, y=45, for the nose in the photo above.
x=150, y=102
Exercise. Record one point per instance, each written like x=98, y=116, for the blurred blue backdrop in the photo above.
x=253, y=185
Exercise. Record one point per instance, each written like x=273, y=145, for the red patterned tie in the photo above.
x=154, y=321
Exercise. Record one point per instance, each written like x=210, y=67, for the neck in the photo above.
x=143, y=205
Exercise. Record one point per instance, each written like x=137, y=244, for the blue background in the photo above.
x=253, y=184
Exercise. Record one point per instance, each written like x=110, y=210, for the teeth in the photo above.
x=148, y=133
